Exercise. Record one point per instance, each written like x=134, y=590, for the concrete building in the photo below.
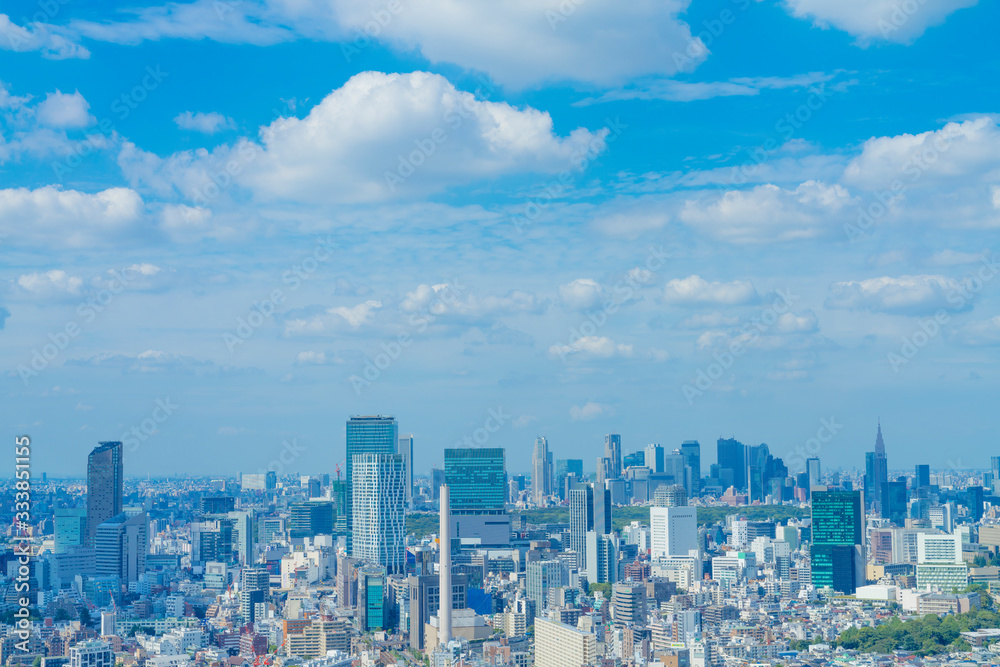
x=561, y=645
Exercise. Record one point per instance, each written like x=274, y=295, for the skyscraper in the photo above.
x=122, y=543
x=255, y=586
x=673, y=531
x=367, y=435
x=838, y=548
x=654, y=457
x=379, y=497
x=877, y=478
x=613, y=451
x=477, y=478
x=104, y=486
x=405, y=449
x=541, y=470
x=589, y=510
x=922, y=474
x=691, y=450
x=813, y=471
x=732, y=458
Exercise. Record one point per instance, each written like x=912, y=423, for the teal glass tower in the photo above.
x=477, y=479
x=838, y=551
x=375, y=434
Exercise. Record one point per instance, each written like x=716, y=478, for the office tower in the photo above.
x=477, y=479
x=732, y=458
x=691, y=451
x=589, y=510
x=940, y=564
x=813, y=472
x=372, y=597
x=561, y=645
x=437, y=480
x=425, y=602
x=653, y=458
x=673, y=531
x=379, y=496
x=311, y=518
x=604, y=470
x=93, y=653
x=255, y=586
x=104, y=487
x=259, y=481
x=540, y=576
x=670, y=495
x=674, y=468
x=70, y=529
x=629, y=603
x=541, y=470
x=374, y=434
x=838, y=548
x=244, y=538
x=601, y=558
x=613, y=451
x=974, y=500
x=405, y=449
x=570, y=467
x=877, y=478
x=762, y=472
x=122, y=543
x=896, y=495
x=922, y=475
x=217, y=504
x=635, y=459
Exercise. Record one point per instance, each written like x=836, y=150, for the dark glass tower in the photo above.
x=613, y=451
x=104, y=486
x=691, y=450
x=732, y=457
x=478, y=480
x=838, y=552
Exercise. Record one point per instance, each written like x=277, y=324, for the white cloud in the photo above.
x=592, y=346
x=208, y=123
x=54, y=282
x=877, y=20
x=598, y=41
x=589, y=410
x=792, y=323
x=977, y=334
x=64, y=111
x=334, y=318
x=581, y=294
x=950, y=257
x=456, y=301
x=38, y=37
x=905, y=295
x=315, y=358
x=68, y=217
x=673, y=90
x=768, y=213
x=696, y=290
x=379, y=136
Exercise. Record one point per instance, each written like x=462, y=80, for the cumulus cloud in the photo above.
x=207, y=123
x=695, y=290
x=379, y=136
x=68, y=217
x=768, y=213
x=905, y=295
x=49, y=283
x=581, y=294
x=456, y=301
x=589, y=410
x=334, y=318
x=591, y=346
x=40, y=37
x=673, y=90
x=877, y=20
x=65, y=111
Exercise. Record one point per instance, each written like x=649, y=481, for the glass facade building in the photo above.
x=477, y=479
x=376, y=434
x=837, y=552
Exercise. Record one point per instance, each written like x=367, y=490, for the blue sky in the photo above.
x=229, y=225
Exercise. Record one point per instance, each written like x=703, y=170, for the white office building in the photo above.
x=379, y=501
x=673, y=531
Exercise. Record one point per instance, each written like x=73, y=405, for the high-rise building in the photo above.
x=691, y=451
x=405, y=449
x=877, y=478
x=477, y=479
x=838, y=547
x=217, y=504
x=654, y=457
x=589, y=510
x=896, y=495
x=425, y=602
x=922, y=474
x=813, y=472
x=601, y=557
x=629, y=603
x=673, y=531
x=732, y=458
x=122, y=543
x=542, y=575
x=974, y=500
x=379, y=497
x=613, y=451
x=255, y=587
x=541, y=470
x=372, y=598
x=104, y=487
x=374, y=434
x=259, y=481
x=70, y=529
x=311, y=518
x=670, y=495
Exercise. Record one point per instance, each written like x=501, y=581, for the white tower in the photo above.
x=444, y=610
